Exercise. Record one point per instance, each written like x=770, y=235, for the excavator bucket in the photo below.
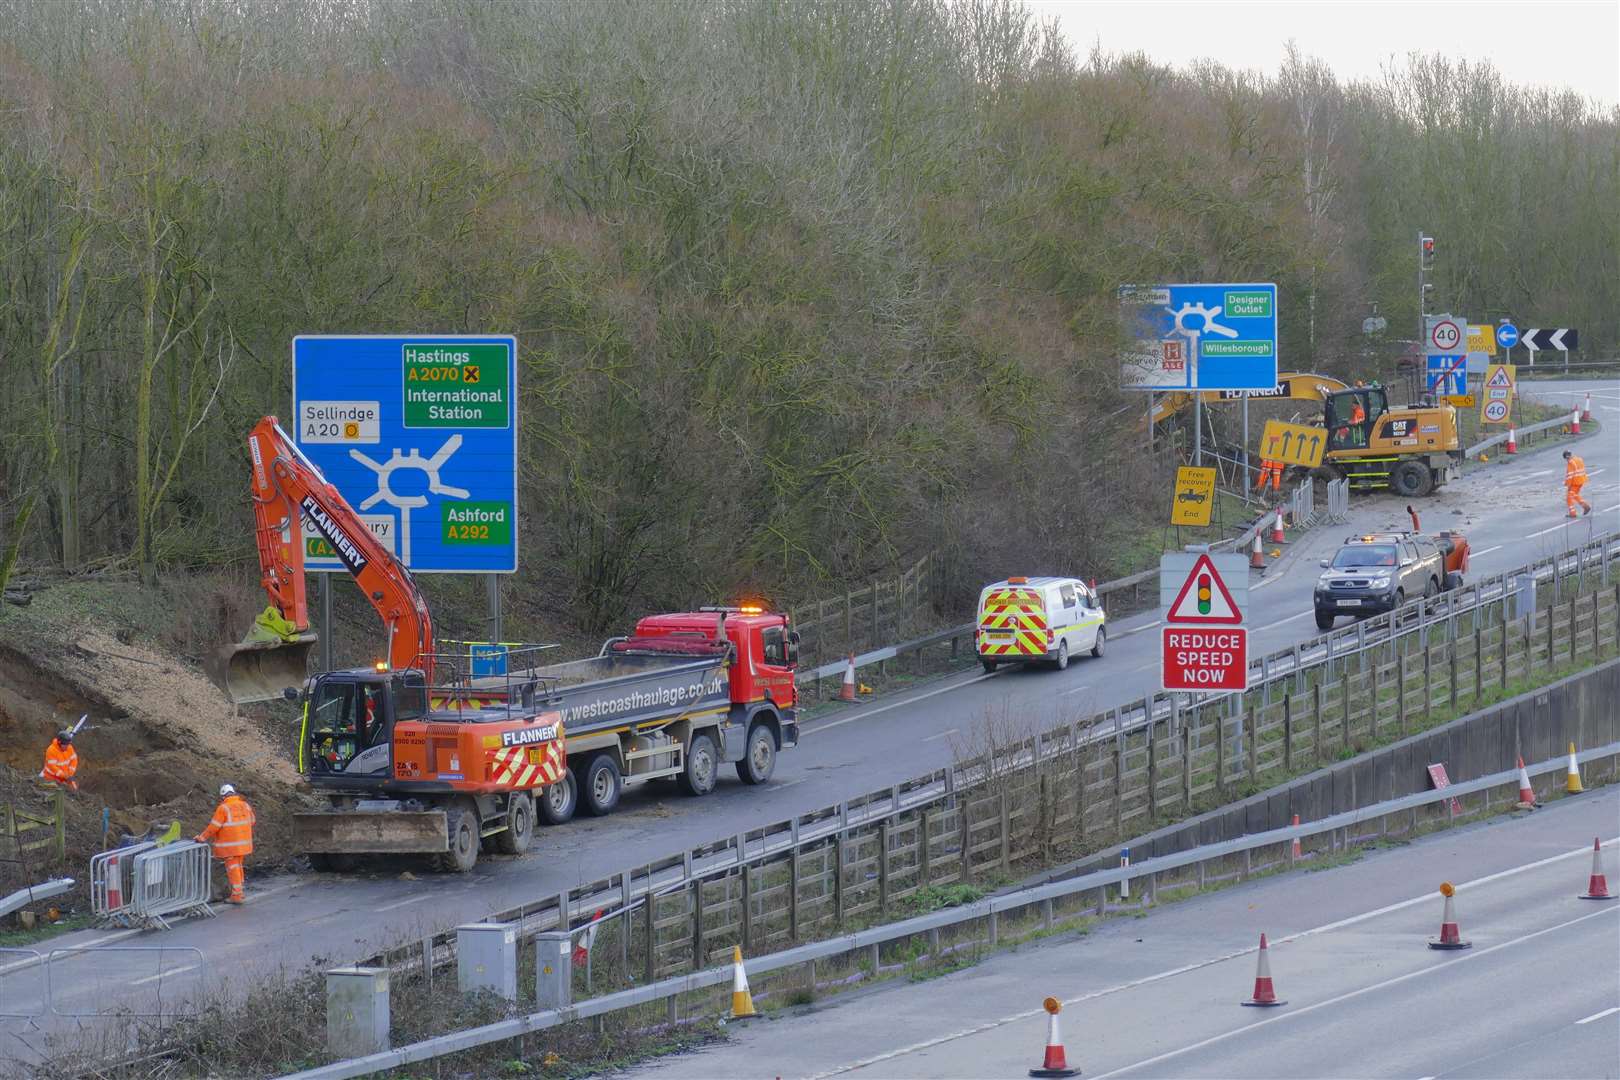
x=378, y=832
x=274, y=657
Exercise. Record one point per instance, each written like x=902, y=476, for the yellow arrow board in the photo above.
x=1195, y=496
x=1501, y=382
x=1460, y=401
x=1293, y=444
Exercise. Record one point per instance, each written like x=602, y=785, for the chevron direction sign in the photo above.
x=1550, y=340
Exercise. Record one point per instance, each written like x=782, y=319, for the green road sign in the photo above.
x=456, y=385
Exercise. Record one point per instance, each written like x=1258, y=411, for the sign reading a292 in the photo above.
x=419, y=434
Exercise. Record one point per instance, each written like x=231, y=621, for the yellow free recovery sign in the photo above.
x=1293, y=444
x=1195, y=496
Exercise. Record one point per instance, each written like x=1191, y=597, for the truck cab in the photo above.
x=766, y=650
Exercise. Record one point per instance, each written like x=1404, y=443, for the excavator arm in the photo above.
x=286, y=487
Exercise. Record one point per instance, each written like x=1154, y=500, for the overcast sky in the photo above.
x=1550, y=43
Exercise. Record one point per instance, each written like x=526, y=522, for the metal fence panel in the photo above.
x=112, y=880
x=172, y=880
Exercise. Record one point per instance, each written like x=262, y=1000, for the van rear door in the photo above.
x=1013, y=622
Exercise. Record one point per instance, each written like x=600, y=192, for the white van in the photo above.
x=1025, y=619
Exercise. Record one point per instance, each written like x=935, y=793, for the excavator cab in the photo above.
x=349, y=719
x=1339, y=409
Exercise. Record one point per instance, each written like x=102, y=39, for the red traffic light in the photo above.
x=1428, y=245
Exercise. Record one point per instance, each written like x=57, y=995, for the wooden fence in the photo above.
x=29, y=833
x=882, y=612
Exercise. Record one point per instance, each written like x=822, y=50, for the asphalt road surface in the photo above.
x=1536, y=996
x=1512, y=511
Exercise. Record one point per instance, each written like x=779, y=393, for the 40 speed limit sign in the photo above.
x=1500, y=384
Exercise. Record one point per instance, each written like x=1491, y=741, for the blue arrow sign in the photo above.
x=1208, y=337
x=419, y=434
x=1507, y=335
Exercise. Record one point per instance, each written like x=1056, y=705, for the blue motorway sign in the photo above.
x=1207, y=337
x=1507, y=335
x=419, y=434
x=1447, y=373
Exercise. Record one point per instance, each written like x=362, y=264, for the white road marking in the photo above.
x=1279, y=622
x=98, y=943
x=1137, y=629
x=1076, y=690
x=1599, y=1015
x=863, y=714
x=1567, y=522
x=1396, y=981
x=941, y=735
x=1486, y=551
x=989, y=1025
x=404, y=902
x=165, y=975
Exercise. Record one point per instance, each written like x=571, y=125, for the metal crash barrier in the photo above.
x=146, y=884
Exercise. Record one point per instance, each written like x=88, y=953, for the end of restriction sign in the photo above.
x=1205, y=658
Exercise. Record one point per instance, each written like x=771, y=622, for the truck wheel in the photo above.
x=702, y=763
x=1454, y=580
x=1063, y=656
x=599, y=785
x=1410, y=479
x=988, y=665
x=558, y=801
x=759, y=762
x=519, y=833
x=1101, y=644
x=462, y=825
x=1324, y=620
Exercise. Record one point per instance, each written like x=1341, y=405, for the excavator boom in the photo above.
x=288, y=487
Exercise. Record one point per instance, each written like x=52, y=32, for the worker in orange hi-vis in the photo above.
x=1271, y=473
x=61, y=761
x=1574, y=480
x=231, y=835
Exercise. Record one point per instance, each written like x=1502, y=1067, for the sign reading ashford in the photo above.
x=1293, y=444
x=1195, y=496
x=1211, y=337
x=1205, y=645
x=419, y=434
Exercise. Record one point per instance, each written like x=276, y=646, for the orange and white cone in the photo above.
x=1450, y=936
x=1586, y=410
x=1513, y=441
x=1575, y=422
x=1055, y=1063
x=1572, y=780
x=1257, y=558
x=1277, y=536
x=1265, y=995
x=1527, y=794
x=1597, y=886
x=847, y=691
x=742, y=1002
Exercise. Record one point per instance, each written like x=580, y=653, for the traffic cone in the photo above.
x=1527, y=794
x=1264, y=995
x=1597, y=887
x=1572, y=783
x=847, y=691
x=1575, y=422
x=742, y=1002
x=1296, y=839
x=1450, y=937
x=1257, y=558
x=1277, y=536
x=1055, y=1062
x=1586, y=409
x=1513, y=441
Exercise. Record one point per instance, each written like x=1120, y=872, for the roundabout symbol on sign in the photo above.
x=1496, y=410
x=1445, y=335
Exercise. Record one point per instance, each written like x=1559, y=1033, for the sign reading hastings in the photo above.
x=1205, y=644
x=419, y=434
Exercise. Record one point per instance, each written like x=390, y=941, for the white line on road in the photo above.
x=1397, y=980
x=1486, y=551
x=1279, y=622
x=941, y=735
x=1136, y=629
x=1600, y=1015
x=1076, y=690
x=1568, y=521
x=404, y=902
x=862, y=715
x=165, y=974
x=98, y=943
x=989, y=1025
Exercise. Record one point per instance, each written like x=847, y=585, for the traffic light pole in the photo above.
x=1423, y=318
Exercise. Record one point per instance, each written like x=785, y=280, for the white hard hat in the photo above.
x=226, y=789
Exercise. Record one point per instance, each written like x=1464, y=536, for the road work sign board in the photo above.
x=1210, y=337
x=1195, y=496
x=419, y=434
x=1447, y=374
x=1500, y=386
x=1205, y=645
x=1293, y=444
x=1481, y=338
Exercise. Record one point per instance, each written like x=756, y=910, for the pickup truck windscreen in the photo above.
x=1371, y=555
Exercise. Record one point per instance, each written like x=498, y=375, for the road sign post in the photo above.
x=419, y=434
x=1204, y=642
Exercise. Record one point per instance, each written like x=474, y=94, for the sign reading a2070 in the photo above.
x=419, y=434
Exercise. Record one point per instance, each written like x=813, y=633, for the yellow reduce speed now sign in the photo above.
x=1195, y=496
x=1293, y=444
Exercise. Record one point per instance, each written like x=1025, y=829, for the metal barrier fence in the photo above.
x=1338, y=501
x=146, y=884
x=1042, y=898
x=57, y=957
x=33, y=960
x=1529, y=429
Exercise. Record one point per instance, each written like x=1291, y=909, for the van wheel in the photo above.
x=702, y=765
x=518, y=835
x=759, y=762
x=558, y=801
x=988, y=665
x=462, y=826
x=1101, y=644
x=1063, y=656
x=1432, y=588
x=599, y=784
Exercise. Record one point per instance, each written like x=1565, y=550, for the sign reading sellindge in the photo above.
x=419, y=434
